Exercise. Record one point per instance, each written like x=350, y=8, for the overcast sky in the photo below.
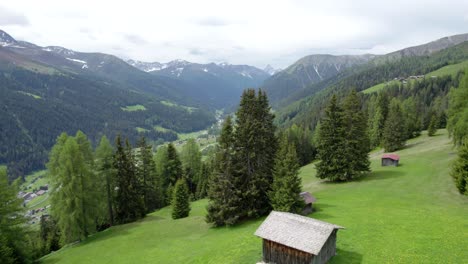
x=254, y=32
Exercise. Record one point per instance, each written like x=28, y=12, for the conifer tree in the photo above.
x=146, y=171
x=224, y=198
x=286, y=187
x=394, y=136
x=458, y=112
x=14, y=246
x=129, y=202
x=357, y=137
x=459, y=170
x=72, y=187
x=172, y=170
x=331, y=148
x=180, y=200
x=106, y=174
x=190, y=157
x=255, y=148
x=432, y=129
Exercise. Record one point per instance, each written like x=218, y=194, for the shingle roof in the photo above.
x=391, y=156
x=296, y=231
x=308, y=198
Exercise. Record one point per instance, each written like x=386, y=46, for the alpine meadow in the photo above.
x=284, y=132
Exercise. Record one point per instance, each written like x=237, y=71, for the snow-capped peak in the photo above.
x=59, y=50
x=270, y=70
x=5, y=39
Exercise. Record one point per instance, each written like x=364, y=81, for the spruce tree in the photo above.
x=172, y=170
x=432, y=129
x=146, y=171
x=357, y=137
x=457, y=123
x=459, y=170
x=224, y=196
x=255, y=148
x=394, y=137
x=180, y=200
x=129, y=201
x=331, y=147
x=286, y=187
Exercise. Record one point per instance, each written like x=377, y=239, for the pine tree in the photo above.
x=129, y=202
x=106, y=174
x=394, y=137
x=14, y=246
x=224, y=198
x=286, y=187
x=255, y=148
x=357, y=137
x=332, y=152
x=432, y=129
x=180, y=200
x=459, y=170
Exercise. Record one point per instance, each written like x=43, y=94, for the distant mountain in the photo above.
x=424, y=49
x=48, y=90
x=270, y=70
x=219, y=84
x=309, y=70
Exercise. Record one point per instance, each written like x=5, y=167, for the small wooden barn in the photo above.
x=309, y=200
x=390, y=160
x=295, y=239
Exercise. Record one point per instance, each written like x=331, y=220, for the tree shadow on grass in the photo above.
x=344, y=256
x=381, y=175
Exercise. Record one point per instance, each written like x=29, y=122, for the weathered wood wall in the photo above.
x=389, y=162
x=328, y=250
x=281, y=254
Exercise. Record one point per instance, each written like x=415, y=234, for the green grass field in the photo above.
x=132, y=108
x=449, y=69
x=378, y=87
x=408, y=214
x=172, y=104
x=30, y=94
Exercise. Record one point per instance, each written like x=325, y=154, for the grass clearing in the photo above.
x=133, y=108
x=196, y=134
x=449, y=69
x=379, y=87
x=161, y=129
x=408, y=214
x=30, y=94
x=141, y=130
x=172, y=104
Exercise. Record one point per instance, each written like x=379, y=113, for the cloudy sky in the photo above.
x=254, y=32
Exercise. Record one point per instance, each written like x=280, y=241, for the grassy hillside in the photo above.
x=408, y=214
x=449, y=69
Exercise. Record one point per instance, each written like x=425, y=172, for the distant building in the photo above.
x=390, y=160
x=308, y=200
x=291, y=238
x=39, y=193
x=45, y=187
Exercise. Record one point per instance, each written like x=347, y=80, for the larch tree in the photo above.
x=458, y=112
x=14, y=246
x=286, y=188
x=432, y=129
x=331, y=147
x=180, y=200
x=104, y=155
x=190, y=157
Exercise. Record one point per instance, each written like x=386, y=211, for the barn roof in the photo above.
x=296, y=231
x=308, y=198
x=391, y=156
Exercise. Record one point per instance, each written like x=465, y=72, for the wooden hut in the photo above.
x=295, y=239
x=309, y=200
x=390, y=160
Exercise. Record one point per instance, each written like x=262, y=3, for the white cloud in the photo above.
x=243, y=31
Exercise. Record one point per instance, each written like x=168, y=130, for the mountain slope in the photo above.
x=48, y=90
x=309, y=70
